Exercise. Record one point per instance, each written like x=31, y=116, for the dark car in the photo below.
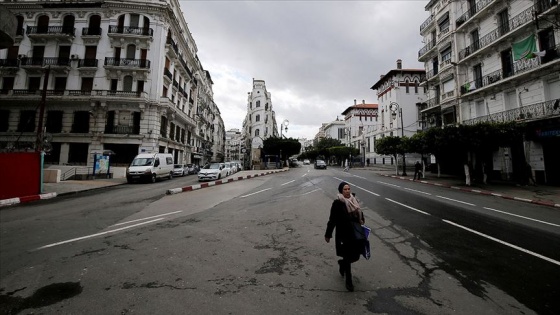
x=320, y=164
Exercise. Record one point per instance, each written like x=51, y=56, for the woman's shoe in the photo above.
x=341, y=267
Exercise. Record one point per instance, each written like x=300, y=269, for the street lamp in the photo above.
x=395, y=108
x=284, y=125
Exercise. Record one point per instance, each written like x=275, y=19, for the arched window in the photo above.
x=258, y=104
x=416, y=86
x=407, y=88
x=43, y=24
x=94, y=25
x=257, y=132
x=19, y=30
x=68, y=24
x=258, y=118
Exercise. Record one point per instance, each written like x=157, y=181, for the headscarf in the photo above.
x=352, y=204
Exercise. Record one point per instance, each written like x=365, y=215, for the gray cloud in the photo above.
x=315, y=56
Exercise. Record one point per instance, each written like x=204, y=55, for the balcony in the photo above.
x=515, y=23
x=121, y=36
x=91, y=35
x=428, y=22
x=44, y=33
x=172, y=48
x=542, y=110
x=87, y=63
x=422, y=52
x=119, y=94
x=141, y=66
x=9, y=63
x=122, y=130
x=480, y=5
x=38, y=64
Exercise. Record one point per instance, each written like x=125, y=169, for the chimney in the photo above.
x=354, y=101
x=399, y=64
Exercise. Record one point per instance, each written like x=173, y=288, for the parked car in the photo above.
x=306, y=162
x=180, y=170
x=227, y=167
x=192, y=169
x=212, y=171
x=294, y=163
x=150, y=166
x=320, y=164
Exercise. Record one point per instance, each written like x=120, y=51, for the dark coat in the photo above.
x=346, y=244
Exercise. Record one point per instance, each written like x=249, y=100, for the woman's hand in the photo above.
x=327, y=239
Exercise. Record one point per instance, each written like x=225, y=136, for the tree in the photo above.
x=390, y=146
x=285, y=147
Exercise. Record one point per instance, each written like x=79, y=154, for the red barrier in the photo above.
x=20, y=174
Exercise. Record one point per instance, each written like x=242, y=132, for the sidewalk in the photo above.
x=542, y=195
x=51, y=190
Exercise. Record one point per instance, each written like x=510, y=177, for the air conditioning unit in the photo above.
x=74, y=57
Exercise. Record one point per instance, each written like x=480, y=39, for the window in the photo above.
x=507, y=63
x=87, y=84
x=34, y=84
x=406, y=86
x=81, y=122
x=258, y=104
x=127, y=83
x=26, y=121
x=258, y=118
x=4, y=120
x=503, y=22
x=7, y=85
x=257, y=132
x=446, y=54
x=54, y=121
x=163, y=127
x=416, y=87
x=172, y=131
x=59, y=85
x=114, y=84
x=477, y=73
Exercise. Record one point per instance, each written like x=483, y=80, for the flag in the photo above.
x=525, y=48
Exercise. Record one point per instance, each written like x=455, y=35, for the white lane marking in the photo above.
x=389, y=184
x=97, y=234
x=358, y=176
x=288, y=182
x=418, y=191
x=504, y=243
x=459, y=201
x=256, y=192
x=406, y=206
x=307, y=193
x=147, y=218
x=520, y=216
x=304, y=175
x=371, y=192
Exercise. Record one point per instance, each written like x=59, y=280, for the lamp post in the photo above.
x=284, y=125
x=395, y=108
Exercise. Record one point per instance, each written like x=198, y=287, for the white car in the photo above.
x=306, y=162
x=227, y=167
x=212, y=171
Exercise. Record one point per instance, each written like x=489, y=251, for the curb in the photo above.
x=18, y=200
x=218, y=182
x=482, y=192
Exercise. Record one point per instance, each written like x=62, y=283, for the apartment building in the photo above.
x=260, y=121
x=120, y=77
x=359, y=120
x=497, y=61
x=399, y=95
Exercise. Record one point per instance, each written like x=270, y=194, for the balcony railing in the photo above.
x=143, y=31
x=121, y=130
x=528, y=112
x=114, y=93
x=168, y=73
x=45, y=61
x=9, y=63
x=88, y=63
x=425, y=49
x=173, y=45
x=426, y=23
x=472, y=11
x=514, y=23
x=51, y=30
x=124, y=62
x=91, y=31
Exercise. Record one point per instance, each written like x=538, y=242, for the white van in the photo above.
x=150, y=167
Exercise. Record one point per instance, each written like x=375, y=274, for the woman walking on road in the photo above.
x=345, y=211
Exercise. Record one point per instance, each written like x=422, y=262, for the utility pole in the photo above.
x=39, y=140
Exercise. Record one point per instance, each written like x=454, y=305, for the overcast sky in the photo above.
x=315, y=56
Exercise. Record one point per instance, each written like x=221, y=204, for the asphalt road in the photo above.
x=256, y=246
